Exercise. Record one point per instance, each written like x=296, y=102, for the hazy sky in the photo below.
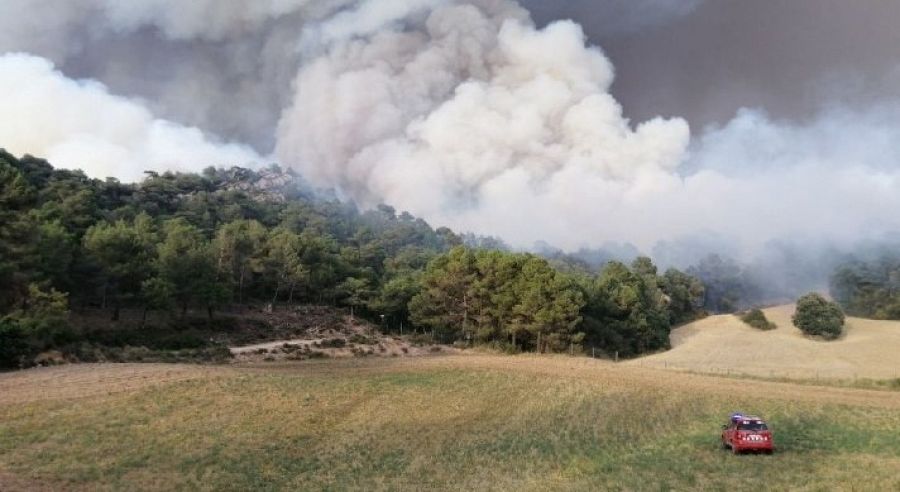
x=703, y=60
x=731, y=123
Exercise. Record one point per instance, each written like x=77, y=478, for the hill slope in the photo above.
x=724, y=343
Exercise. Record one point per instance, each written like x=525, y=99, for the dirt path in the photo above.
x=375, y=346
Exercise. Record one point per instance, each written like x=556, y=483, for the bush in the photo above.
x=14, y=348
x=757, y=319
x=361, y=339
x=419, y=339
x=332, y=343
x=87, y=352
x=817, y=316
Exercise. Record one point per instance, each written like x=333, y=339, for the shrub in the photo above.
x=332, y=343
x=419, y=339
x=757, y=319
x=14, y=348
x=817, y=316
x=361, y=339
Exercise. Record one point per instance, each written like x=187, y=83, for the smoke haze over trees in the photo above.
x=499, y=118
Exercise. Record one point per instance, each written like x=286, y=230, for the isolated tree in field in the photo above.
x=815, y=315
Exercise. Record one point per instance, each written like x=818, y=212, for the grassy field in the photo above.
x=725, y=344
x=456, y=422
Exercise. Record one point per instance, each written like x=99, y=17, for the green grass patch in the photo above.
x=437, y=429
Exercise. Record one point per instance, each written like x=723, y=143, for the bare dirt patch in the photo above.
x=350, y=338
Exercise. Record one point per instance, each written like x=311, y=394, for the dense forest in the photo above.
x=206, y=246
x=869, y=288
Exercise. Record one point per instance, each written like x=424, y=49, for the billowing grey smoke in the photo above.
x=461, y=111
x=475, y=119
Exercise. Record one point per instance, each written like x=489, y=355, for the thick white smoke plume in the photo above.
x=477, y=120
x=79, y=125
x=460, y=111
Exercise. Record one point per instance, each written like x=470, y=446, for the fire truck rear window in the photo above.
x=752, y=425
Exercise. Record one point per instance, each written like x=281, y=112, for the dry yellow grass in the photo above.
x=464, y=422
x=87, y=380
x=724, y=344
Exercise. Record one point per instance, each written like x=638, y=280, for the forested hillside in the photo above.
x=869, y=289
x=206, y=246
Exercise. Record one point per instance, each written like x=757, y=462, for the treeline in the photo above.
x=728, y=285
x=869, y=289
x=222, y=239
x=228, y=238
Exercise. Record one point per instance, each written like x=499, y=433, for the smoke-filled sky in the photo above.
x=574, y=123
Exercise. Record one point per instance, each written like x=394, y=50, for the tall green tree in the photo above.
x=240, y=251
x=684, y=295
x=283, y=263
x=549, y=307
x=186, y=262
x=818, y=316
x=444, y=304
x=125, y=253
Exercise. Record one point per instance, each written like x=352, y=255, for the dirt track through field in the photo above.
x=724, y=344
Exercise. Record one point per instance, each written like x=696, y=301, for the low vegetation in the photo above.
x=817, y=316
x=757, y=319
x=447, y=423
